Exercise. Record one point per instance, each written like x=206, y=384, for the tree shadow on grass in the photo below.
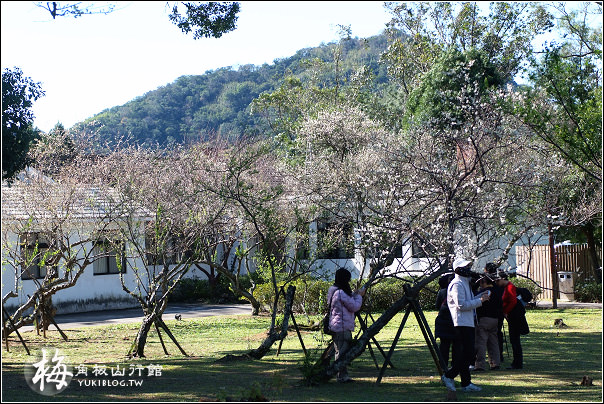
x=554, y=366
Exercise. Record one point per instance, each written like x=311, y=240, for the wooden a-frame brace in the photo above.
x=413, y=305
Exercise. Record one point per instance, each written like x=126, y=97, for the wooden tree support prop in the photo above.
x=424, y=327
x=4, y=313
x=296, y=327
x=52, y=320
x=159, y=322
x=160, y=338
x=363, y=329
x=4, y=331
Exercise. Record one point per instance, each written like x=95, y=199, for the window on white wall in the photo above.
x=110, y=257
x=36, y=255
x=163, y=252
x=421, y=248
x=335, y=242
x=396, y=251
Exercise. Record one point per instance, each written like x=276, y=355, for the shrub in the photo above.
x=381, y=295
x=196, y=289
x=535, y=289
x=427, y=296
x=188, y=290
x=311, y=293
x=588, y=292
x=386, y=292
x=309, y=298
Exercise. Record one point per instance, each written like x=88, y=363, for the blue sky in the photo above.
x=94, y=62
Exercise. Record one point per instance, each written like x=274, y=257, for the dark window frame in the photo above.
x=107, y=265
x=344, y=249
x=165, y=259
x=29, y=243
x=419, y=252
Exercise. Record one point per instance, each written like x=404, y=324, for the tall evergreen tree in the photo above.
x=18, y=95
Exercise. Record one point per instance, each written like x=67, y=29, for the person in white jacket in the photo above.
x=462, y=302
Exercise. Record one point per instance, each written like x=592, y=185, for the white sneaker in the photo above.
x=449, y=383
x=470, y=387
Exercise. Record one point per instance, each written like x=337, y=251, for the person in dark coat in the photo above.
x=491, y=269
x=443, y=324
x=514, y=313
x=487, y=319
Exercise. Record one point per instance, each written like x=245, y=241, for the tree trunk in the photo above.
x=273, y=334
x=593, y=272
x=137, y=350
x=553, y=273
x=44, y=291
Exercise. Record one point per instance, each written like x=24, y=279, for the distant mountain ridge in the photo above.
x=216, y=104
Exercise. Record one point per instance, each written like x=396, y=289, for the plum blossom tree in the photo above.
x=49, y=226
x=250, y=178
x=451, y=187
x=183, y=226
x=216, y=207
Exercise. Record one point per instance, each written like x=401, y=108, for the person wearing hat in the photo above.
x=487, y=317
x=462, y=302
x=344, y=305
x=514, y=313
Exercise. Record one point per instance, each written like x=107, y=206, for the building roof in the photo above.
x=38, y=196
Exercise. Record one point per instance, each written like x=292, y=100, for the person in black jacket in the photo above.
x=443, y=324
x=491, y=269
x=487, y=326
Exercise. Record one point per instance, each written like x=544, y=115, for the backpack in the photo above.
x=524, y=295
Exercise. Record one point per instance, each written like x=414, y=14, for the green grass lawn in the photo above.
x=555, y=362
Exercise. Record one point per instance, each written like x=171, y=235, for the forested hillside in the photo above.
x=216, y=104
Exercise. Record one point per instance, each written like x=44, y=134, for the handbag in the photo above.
x=326, y=318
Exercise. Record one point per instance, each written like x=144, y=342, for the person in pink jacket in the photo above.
x=344, y=304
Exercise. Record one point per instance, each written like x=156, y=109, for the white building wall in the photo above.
x=91, y=292
x=104, y=292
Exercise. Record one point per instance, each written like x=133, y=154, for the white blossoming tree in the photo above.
x=50, y=222
x=458, y=181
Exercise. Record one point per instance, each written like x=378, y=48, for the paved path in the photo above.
x=193, y=310
x=562, y=304
x=186, y=310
